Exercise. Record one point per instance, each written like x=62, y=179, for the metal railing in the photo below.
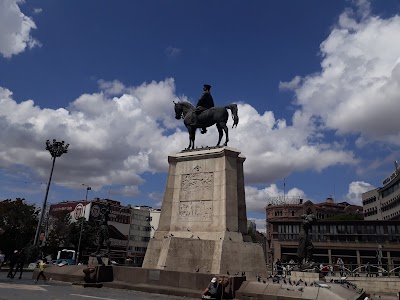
x=346, y=270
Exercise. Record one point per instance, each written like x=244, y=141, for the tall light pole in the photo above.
x=56, y=150
x=88, y=188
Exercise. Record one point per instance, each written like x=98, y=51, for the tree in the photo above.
x=64, y=233
x=89, y=235
x=252, y=234
x=59, y=232
x=19, y=221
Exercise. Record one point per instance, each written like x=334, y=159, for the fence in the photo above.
x=346, y=270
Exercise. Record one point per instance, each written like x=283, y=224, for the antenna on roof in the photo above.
x=284, y=188
x=334, y=193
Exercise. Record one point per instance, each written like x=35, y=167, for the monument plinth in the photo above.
x=203, y=223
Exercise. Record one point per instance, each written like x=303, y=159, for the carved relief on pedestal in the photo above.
x=199, y=211
x=195, y=203
x=197, y=185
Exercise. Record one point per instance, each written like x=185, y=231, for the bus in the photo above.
x=66, y=257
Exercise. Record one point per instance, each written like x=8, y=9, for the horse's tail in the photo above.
x=234, y=110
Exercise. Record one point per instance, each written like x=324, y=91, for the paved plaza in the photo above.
x=15, y=289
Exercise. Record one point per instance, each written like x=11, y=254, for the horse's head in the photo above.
x=178, y=110
x=182, y=108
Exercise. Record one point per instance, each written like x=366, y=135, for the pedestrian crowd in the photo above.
x=16, y=262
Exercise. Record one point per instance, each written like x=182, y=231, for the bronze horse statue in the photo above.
x=216, y=115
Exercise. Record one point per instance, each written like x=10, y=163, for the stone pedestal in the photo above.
x=203, y=224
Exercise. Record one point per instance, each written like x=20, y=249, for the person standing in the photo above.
x=206, y=101
x=1, y=259
x=42, y=266
x=20, y=263
x=279, y=267
x=368, y=269
x=12, y=261
x=340, y=263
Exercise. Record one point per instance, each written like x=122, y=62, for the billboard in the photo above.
x=118, y=223
x=77, y=209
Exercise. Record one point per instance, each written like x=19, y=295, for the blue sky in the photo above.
x=317, y=83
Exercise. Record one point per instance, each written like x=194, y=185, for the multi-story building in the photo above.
x=357, y=242
x=384, y=203
x=129, y=227
x=289, y=209
x=154, y=220
x=139, y=234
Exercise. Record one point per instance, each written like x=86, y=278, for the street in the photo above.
x=25, y=288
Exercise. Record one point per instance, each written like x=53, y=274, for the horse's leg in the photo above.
x=223, y=125
x=192, y=135
x=220, y=133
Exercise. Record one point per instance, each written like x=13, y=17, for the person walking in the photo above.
x=20, y=263
x=12, y=261
x=42, y=266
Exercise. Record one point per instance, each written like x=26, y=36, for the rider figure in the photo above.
x=206, y=101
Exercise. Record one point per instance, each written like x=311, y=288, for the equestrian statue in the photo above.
x=205, y=115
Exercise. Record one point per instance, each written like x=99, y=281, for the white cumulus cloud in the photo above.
x=257, y=199
x=358, y=88
x=15, y=29
x=356, y=189
x=122, y=132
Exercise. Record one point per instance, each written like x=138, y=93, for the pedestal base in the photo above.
x=206, y=256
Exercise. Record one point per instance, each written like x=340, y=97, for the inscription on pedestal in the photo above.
x=197, y=185
x=199, y=211
x=196, y=196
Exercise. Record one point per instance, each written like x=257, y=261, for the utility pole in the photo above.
x=56, y=150
x=88, y=188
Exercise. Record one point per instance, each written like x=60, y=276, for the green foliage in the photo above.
x=252, y=234
x=32, y=253
x=19, y=221
x=59, y=229
x=63, y=233
x=89, y=233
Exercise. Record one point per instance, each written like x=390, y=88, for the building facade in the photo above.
x=129, y=227
x=384, y=203
x=139, y=234
x=357, y=242
x=291, y=209
x=154, y=220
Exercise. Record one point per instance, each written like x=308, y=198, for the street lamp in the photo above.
x=56, y=150
x=88, y=188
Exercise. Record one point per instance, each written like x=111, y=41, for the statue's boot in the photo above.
x=308, y=265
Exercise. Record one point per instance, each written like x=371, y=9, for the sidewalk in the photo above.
x=379, y=297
